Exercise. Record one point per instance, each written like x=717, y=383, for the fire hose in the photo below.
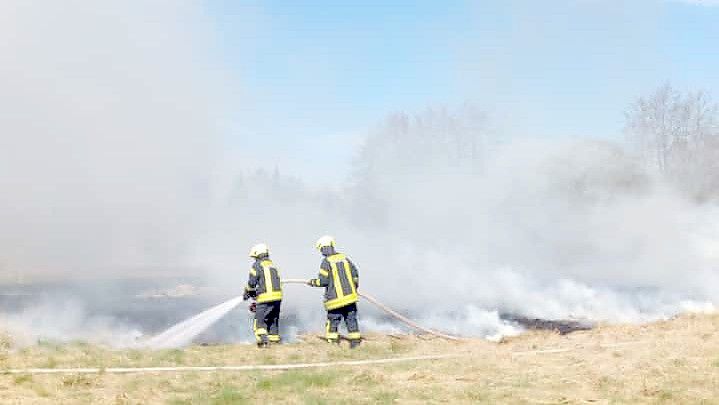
x=389, y=311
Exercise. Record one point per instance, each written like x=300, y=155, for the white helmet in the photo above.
x=325, y=241
x=259, y=249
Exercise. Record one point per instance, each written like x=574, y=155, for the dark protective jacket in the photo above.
x=340, y=278
x=264, y=281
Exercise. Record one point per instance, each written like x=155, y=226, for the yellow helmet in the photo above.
x=259, y=250
x=325, y=241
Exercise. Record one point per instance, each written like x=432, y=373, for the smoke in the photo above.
x=66, y=320
x=552, y=229
x=106, y=136
x=456, y=229
x=108, y=141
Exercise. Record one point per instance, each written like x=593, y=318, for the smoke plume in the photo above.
x=108, y=147
x=106, y=135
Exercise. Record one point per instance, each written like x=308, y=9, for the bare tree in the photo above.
x=677, y=134
x=436, y=135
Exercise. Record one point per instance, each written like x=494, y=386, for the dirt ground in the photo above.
x=675, y=361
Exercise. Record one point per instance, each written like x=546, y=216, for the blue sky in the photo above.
x=316, y=75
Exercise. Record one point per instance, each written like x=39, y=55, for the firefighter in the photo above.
x=264, y=286
x=339, y=276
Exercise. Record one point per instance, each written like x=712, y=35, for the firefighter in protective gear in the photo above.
x=340, y=278
x=264, y=286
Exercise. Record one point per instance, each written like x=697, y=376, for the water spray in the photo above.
x=184, y=332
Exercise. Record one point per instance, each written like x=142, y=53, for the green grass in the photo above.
x=51, y=362
x=397, y=347
x=475, y=396
x=313, y=400
x=366, y=378
x=482, y=372
x=385, y=397
x=22, y=379
x=135, y=355
x=296, y=380
x=39, y=389
x=174, y=357
x=76, y=380
x=267, y=357
x=228, y=395
x=665, y=395
x=132, y=385
x=222, y=394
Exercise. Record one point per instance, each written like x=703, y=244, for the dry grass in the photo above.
x=674, y=362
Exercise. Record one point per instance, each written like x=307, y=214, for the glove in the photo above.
x=246, y=296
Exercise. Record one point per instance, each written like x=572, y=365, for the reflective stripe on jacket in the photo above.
x=340, y=278
x=265, y=281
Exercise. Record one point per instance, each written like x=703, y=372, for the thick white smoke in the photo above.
x=548, y=229
x=108, y=124
x=456, y=230
x=107, y=142
x=109, y=118
x=66, y=320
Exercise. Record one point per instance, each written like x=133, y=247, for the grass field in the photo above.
x=674, y=361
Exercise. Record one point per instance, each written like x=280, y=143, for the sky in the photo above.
x=314, y=76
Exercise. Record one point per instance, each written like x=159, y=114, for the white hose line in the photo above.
x=258, y=367
x=281, y=367
x=573, y=349
x=388, y=310
x=406, y=320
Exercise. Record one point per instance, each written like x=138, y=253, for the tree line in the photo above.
x=671, y=133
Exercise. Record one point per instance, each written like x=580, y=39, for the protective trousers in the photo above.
x=267, y=322
x=335, y=316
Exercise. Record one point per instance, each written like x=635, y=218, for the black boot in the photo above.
x=354, y=343
x=263, y=343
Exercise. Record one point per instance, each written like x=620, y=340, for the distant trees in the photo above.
x=677, y=134
x=405, y=151
x=435, y=135
x=263, y=185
